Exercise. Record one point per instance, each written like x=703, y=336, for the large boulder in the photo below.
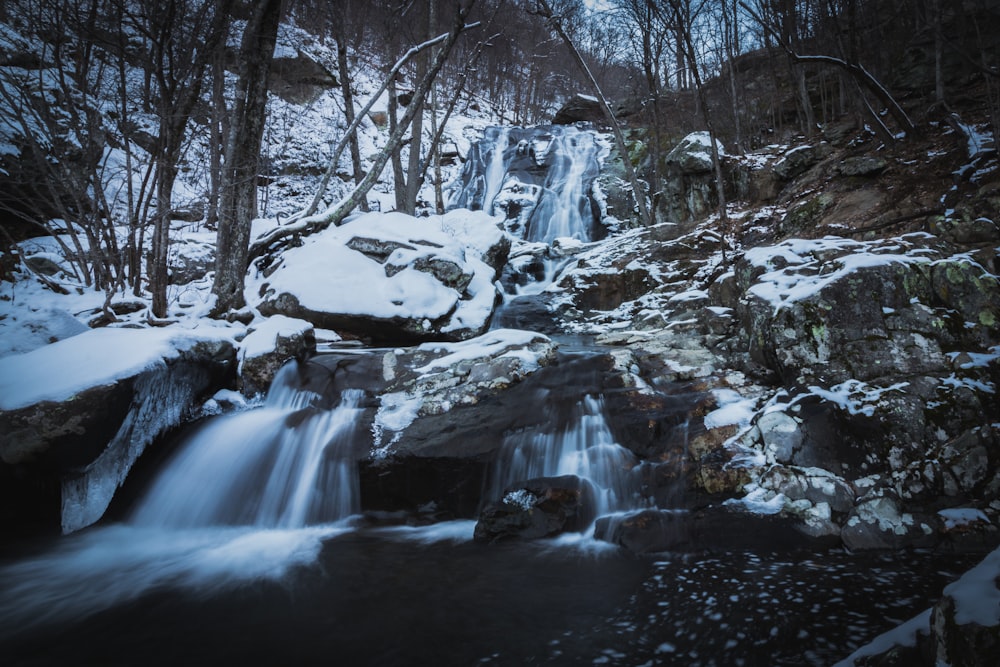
x=82, y=410
x=580, y=108
x=391, y=278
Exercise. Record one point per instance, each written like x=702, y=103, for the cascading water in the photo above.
x=538, y=178
x=285, y=465
x=583, y=446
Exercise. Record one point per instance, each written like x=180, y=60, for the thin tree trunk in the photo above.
x=338, y=151
x=349, y=115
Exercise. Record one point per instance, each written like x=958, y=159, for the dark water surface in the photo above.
x=432, y=597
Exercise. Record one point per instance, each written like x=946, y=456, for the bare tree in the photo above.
x=242, y=156
x=336, y=214
x=183, y=37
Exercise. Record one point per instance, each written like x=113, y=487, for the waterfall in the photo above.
x=583, y=446
x=539, y=179
x=288, y=464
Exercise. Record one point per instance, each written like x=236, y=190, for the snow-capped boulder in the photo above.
x=268, y=346
x=392, y=277
x=693, y=155
x=83, y=409
x=580, y=108
x=537, y=508
x=965, y=622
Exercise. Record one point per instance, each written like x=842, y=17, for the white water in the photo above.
x=584, y=447
x=548, y=171
x=280, y=466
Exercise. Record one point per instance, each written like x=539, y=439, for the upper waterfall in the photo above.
x=538, y=178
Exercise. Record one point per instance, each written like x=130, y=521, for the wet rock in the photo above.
x=537, y=508
x=879, y=521
x=268, y=346
x=712, y=528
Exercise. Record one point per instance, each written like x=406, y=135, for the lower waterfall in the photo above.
x=285, y=465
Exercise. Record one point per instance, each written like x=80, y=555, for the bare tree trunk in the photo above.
x=338, y=151
x=349, y=115
x=396, y=159
x=239, y=178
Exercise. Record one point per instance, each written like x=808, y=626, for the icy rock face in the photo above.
x=90, y=437
x=392, y=278
x=539, y=180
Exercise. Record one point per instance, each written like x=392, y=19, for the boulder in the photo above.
x=965, y=622
x=542, y=507
x=580, y=108
x=266, y=348
x=712, y=528
x=86, y=427
x=391, y=278
x=879, y=521
x=799, y=159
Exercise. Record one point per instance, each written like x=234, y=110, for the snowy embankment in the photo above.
x=962, y=624
x=89, y=405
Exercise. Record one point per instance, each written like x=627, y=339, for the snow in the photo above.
x=733, y=409
x=263, y=336
x=962, y=516
x=759, y=500
x=326, y=275
x=58, y=371
x=490, y=344
x=977, y=599
x=794, y=266
x=858, y=398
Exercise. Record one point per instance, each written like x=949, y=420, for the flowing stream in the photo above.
x=247, y=545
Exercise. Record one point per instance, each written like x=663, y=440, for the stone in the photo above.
x=799, y=159
x=862, y=165
x=816, y=485
x=781, y=435
x=268, y=346
x=965, y=625
x=712, y=528
x=580, y=108
x=88, y=442
x=542, y=507
x=880, y=522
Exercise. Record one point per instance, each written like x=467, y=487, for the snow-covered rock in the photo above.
x=83, y=409
x=392, y=277
x=267, y=347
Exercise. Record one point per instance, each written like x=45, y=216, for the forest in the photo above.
x=623, y=332
x=106, y=102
